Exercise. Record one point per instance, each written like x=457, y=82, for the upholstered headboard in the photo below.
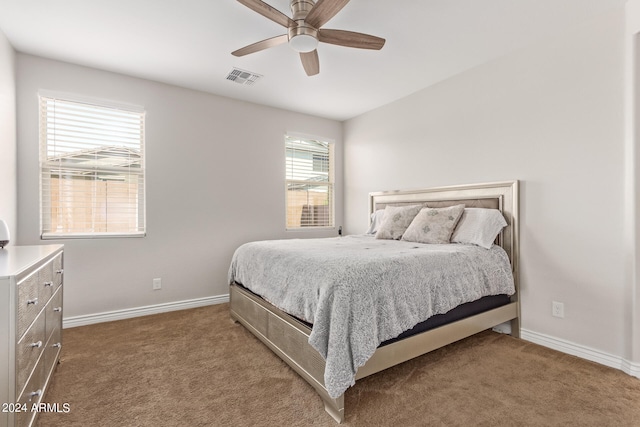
x=497, y=195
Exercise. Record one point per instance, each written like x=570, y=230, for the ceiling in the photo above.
x=188, y=43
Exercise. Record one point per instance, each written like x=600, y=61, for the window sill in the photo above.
x=310, y=229
x=62, y=236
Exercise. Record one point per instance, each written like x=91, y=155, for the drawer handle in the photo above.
x=59, y=271
x=48, y=283
x=34, y=394
x=36, y=344
x=56, y=345
x=57, y=309
x=32, y=301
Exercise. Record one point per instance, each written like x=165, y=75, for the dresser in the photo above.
x=30, y=328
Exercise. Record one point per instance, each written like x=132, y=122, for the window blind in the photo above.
x=92, y=170
x=309, y=183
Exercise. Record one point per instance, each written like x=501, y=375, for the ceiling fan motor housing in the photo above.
x=300, y=9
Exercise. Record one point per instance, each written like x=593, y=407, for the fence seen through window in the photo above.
x=309, y=183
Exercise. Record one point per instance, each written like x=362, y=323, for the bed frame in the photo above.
x=288, y=337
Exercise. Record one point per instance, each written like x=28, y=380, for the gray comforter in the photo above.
x=359, y=291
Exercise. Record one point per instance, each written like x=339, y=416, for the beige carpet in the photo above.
x=198, y=368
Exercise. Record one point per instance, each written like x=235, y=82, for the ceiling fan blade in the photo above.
x=269, y=12
x=310, y=62
x=351, y=39
x=323, y=11
x=261, y=45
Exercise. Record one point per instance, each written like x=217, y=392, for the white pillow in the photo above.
x=376, y=220
x=396, y=220
x=479, y=227
x=433, y=225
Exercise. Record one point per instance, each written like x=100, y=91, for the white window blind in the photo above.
x=309, y=183
x=92, y=170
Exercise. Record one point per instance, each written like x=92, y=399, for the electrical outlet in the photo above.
x=157, y=284
x=557, y=309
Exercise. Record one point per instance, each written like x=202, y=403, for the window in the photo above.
x=309, y=183
x=91, y=170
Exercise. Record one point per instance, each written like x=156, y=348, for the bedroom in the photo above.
x=554, y=114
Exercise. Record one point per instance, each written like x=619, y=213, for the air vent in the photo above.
x=243, y=77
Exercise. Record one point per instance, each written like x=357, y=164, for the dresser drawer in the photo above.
x=57, y=270
x=52, y=351
x=53, y=313
x=31, y=395
x=28, y=350
x=29, y=304
x=45, y=282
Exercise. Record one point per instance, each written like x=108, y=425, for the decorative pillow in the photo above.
x=434, y=225
x=396, y=220
x=479, y=227
x=376, y=220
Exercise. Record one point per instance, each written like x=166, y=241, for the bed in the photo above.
x=323, y=350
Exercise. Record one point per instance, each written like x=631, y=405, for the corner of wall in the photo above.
x=632, y=177
x=8, y=138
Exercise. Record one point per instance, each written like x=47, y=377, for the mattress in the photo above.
x=458, y=313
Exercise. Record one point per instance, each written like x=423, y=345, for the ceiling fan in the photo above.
x=304, y=32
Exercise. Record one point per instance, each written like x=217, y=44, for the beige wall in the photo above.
x=8, y=183
x=201, y=203
x=552, y=116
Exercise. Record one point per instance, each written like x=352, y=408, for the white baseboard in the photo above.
x=89, y=319
x=631, y=368
x=581, y=351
